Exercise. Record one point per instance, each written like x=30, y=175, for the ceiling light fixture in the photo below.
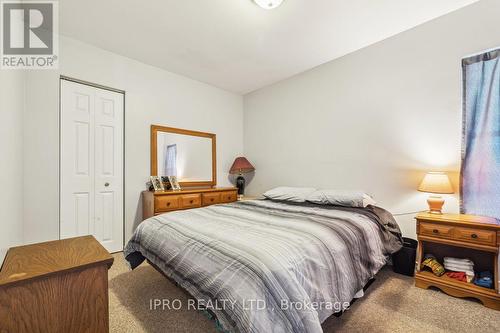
x=268, y=4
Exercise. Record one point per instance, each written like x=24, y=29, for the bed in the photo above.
x=268, y=266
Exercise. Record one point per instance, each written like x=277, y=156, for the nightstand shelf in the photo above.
x=445, y=281
x=460, y=236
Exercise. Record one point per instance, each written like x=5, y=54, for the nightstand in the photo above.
x=459, y=236
x=57, y=286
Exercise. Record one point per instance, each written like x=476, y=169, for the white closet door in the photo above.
x=77, y=160
x=91, y=200
x=109, y=169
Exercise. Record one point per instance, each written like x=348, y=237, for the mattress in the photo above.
x=268, y=266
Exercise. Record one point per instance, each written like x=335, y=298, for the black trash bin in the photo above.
x=403, y=261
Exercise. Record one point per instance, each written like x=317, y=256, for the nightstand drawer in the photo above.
x=436, y=230
x=166, y=203
x=475, y=235
x=190, y=200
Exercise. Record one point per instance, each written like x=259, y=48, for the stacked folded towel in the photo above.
x=460, y=265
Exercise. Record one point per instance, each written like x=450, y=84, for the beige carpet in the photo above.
x=392, y=304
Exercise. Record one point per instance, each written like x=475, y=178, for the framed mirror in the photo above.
x=189, y=155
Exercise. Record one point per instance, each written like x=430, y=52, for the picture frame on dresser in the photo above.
x=157, y=183
x=174, y=183
x=166, y=183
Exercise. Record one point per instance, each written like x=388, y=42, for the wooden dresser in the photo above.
x=58, y=286
x=154, y=203
x=459, y=236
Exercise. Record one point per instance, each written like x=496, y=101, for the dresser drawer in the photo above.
x=166, y=203
x=475, y=235
x=435, y=230
x=229, y=196
x=190, y=200
x=210, y=198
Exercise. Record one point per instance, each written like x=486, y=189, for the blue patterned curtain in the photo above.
x=480, y=176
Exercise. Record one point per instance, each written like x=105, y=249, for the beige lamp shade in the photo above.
x=436, y=182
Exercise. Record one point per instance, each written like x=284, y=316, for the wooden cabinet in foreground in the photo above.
x=460, y=236
x=59, y=286
x=159, y=202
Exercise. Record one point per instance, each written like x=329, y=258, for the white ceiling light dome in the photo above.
x=268, y=4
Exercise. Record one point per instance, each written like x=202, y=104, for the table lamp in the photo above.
x=439, y=183
x=241, y=166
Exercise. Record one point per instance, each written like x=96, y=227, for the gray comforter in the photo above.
x=269, y=266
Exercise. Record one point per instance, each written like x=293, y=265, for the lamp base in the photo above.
x=436, y=203
x=240, y=184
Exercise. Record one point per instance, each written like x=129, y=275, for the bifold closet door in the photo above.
x=91, y=194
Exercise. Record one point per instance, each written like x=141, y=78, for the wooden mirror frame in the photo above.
x=154, y=153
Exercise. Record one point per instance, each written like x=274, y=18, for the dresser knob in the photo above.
x=473, y=236
x=191, y=201
x=168, y=203
x=212, y=199
x=435, y=231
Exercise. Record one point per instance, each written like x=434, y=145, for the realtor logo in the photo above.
x=29, y=36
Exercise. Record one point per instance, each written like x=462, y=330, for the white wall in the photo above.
x=153, y=96
x=11, y=165
x=376, y=119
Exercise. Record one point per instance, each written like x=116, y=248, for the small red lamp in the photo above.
x=439, y=183
x=240, y=166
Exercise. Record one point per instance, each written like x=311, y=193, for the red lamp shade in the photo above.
x=241, y=165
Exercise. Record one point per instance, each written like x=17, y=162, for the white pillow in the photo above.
x=295, y=194
x=341, y=198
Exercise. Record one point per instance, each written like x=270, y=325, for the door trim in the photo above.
x=95, y=85
x=99, y=86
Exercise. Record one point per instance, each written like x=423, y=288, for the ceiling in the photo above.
x=236, y=45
